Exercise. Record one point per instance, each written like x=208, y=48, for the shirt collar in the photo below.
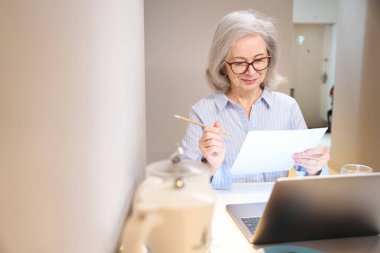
x=222, y=100
x=267, y=97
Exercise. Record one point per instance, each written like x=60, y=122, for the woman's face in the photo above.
x=246, y=49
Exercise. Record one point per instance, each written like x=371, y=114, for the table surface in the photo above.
x=227, y=237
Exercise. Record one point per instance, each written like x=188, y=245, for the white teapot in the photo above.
x=172, y=209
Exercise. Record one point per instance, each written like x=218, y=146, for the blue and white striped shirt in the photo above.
x=272, y=111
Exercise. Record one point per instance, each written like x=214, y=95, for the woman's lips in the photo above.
x=249, y=81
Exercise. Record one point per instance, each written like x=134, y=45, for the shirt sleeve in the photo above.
x=297, y=120
x=190, y=142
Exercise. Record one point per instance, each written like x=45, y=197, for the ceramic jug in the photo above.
x=172, y=209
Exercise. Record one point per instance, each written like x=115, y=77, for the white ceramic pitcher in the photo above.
x=172, y=210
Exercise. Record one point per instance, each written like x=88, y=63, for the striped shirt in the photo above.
x=272, y=111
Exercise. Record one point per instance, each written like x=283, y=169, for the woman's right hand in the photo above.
x=212, y=147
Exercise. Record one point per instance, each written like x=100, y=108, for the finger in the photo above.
x=212, y=143
x=214, y=130
x=211, y=135
x=203, y=144
x=316, y=150
x=308, y=162
x=313, y=153
x=323, y=157
x=312, y=165
x=213, y=152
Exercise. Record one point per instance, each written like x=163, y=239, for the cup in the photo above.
x=355, y=168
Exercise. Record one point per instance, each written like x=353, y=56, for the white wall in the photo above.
x=72, y=122
x=312, y=11
x=178, y=36
x=321, y=12
x=356, y=118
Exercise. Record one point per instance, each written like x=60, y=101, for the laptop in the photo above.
x=311, y=208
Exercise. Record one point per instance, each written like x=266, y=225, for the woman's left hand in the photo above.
x=312, y=159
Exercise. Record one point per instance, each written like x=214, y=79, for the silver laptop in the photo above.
x=312, y=208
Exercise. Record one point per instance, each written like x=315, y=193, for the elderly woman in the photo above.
x=241, y=68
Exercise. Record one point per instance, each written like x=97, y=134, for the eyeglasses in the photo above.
x=242, y=66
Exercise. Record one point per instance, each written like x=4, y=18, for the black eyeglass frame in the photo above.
x=250, y=64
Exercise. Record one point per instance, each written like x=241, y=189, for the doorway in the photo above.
x=313, y=71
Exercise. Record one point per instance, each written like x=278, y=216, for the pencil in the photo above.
x=197, y=123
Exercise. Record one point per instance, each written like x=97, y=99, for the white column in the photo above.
x=72, y=122
x=356, y=118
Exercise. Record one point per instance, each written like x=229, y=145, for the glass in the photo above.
x=355, y=168
x=242, y=66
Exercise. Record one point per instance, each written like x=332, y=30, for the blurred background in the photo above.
x=324, y=46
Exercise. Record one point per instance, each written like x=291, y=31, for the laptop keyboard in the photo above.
x=251, y=223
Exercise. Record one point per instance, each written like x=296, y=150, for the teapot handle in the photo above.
x=143, y=219
x=137, y=230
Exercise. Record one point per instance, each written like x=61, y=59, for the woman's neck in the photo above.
x=245, y=99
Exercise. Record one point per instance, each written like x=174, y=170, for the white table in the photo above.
x=227, y=238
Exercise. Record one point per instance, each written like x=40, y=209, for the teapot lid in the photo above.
x=177, y=169
x=168, y=169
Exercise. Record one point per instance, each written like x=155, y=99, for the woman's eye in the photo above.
x=240, y=63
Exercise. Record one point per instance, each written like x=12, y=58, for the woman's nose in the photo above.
x=250, y=70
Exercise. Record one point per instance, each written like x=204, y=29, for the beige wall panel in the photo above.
x=356, y=118
x=72, y=122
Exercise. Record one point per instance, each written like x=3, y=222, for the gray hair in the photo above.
x=232, y=27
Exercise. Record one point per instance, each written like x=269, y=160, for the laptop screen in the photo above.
x=312, y=208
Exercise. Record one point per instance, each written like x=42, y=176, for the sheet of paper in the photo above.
x=266, y=151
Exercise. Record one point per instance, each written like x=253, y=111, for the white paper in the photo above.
x=267, y=151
